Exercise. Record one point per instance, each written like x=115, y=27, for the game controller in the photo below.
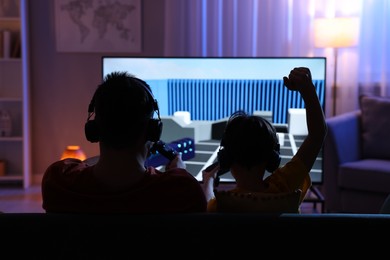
x=165, y=150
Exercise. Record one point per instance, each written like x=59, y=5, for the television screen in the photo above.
x=196, y=96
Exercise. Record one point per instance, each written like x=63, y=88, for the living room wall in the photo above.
x=62, y=83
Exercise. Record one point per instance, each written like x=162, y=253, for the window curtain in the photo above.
x=374, y=53
x=269, y=28
x=236, y=28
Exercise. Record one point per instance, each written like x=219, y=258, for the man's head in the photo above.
x=123, y=106
x=249, y=140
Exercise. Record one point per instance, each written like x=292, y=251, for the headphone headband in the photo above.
x=154, y=128
x=231, y=140
x=147, y=88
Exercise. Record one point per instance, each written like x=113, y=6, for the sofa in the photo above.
x=357, y=158
x=191, y=236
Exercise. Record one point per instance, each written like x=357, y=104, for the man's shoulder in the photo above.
x=66, y=166
x=178, y=176
x=179, y=173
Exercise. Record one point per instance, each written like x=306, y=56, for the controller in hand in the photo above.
x=162, y=148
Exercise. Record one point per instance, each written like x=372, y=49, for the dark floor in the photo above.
x=19, y=200
x=14, y=199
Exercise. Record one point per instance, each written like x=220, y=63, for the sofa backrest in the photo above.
x=188, y=236
x=375, y=125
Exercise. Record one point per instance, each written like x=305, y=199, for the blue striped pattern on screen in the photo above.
x=216, y=99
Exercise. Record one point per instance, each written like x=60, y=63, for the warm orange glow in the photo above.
x=336, y=32
x=73, y=151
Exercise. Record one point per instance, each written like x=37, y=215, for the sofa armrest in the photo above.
x=342, y=144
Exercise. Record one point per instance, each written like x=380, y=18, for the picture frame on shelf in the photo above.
x=5, y=123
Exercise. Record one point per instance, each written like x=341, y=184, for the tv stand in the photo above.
x=315, y=197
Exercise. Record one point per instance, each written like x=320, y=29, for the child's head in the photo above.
x=249, y=140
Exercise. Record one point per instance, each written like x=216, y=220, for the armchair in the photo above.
x=357, y=158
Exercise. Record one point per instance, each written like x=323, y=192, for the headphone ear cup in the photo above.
x=224, y=159
x=154, y=130
x=274, y=160
x=91, y=131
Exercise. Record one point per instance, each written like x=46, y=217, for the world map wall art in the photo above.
x=98, y=26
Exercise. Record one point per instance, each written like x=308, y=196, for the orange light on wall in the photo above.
x=73, y=151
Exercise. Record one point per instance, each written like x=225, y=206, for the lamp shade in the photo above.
x=336, y=32
x=73, y=151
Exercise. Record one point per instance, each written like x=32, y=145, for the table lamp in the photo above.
x=336, y=32
x=73, y=151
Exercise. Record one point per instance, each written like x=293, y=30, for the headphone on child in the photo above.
x=154, y=126
x=226, y=157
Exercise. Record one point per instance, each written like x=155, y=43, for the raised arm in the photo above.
x=300, y=80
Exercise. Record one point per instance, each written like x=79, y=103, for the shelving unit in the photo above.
x=14, y=94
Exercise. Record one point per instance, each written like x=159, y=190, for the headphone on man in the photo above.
x=154, y=126
x=226, y=156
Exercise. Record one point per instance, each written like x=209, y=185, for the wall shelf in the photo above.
x=14, y=93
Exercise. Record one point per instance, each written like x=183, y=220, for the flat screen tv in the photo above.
x=208, y=89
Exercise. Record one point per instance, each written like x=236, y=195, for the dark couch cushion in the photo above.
x=372, y=175
x=229, y=201
x=375, y=127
